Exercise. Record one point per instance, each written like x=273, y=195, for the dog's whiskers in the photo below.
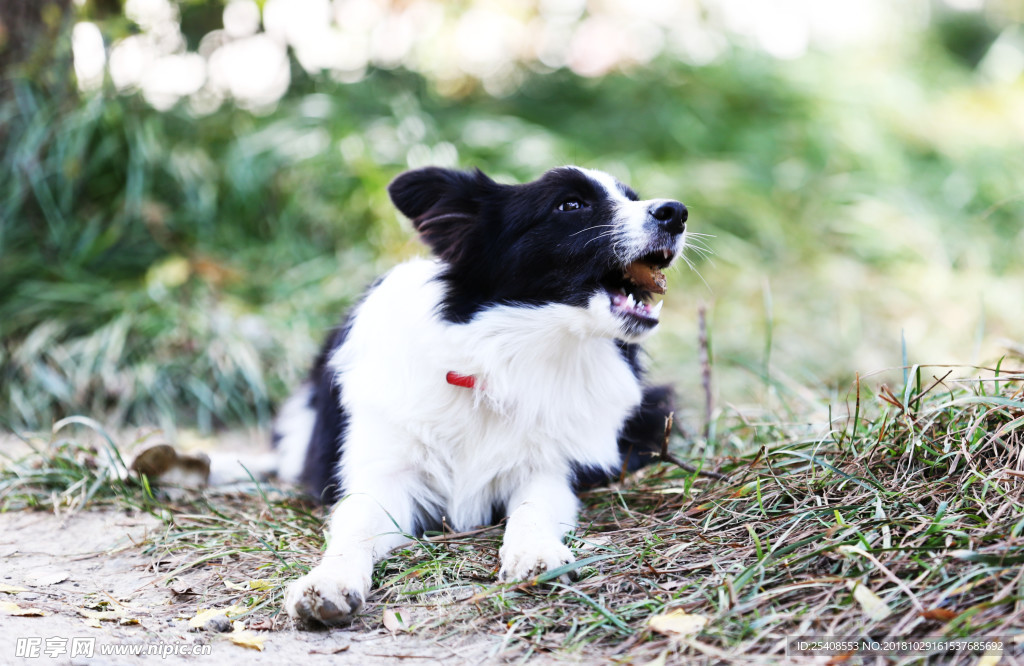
x=701, y=250
x=596, y=226
x=693, y=267
x=603, y=234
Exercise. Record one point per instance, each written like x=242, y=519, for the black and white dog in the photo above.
x=488, y=382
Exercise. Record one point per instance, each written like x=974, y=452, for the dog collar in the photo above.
x=465, y=381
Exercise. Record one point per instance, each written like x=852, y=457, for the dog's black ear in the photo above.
x=443, y=204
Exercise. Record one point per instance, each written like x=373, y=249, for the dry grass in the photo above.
x=915, y=495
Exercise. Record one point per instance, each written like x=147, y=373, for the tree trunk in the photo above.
x=28, y=29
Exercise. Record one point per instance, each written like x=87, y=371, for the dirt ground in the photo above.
x=70, y=564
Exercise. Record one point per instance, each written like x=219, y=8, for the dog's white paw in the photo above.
x=523, y=560
x=325, y=596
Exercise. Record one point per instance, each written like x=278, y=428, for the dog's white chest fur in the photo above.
x=547, y=393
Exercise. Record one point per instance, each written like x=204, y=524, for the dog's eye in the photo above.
x=570, y=204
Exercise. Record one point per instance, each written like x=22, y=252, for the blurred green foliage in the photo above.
x=158, y=266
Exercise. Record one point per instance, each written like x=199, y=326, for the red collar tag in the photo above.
x=465, y=381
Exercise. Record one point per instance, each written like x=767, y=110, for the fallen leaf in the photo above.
x=258, y=584
x=939, y=614
x=393, y=621
x=870, y=603
x=266, y=624
x=11, y=589
x=336, y=650
x=101, y=615
x=90, y=622
x=592, y=543
x=204, y=615
x=14, y=609
x=988, y=660
x=245, y=638
x=117, y=615
x=182, y=591
x=254, y=585
x=677, y=622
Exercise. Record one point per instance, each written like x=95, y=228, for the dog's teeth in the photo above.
x=665, y=253
x=630, y=303
x=656, y=310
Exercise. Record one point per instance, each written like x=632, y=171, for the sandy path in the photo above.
x=74, y=562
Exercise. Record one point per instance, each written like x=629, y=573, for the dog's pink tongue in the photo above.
x=646, y=277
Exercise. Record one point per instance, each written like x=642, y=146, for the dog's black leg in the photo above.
x=644, y=433
x=640, y=440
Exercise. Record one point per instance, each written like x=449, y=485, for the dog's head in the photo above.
x=574, y=236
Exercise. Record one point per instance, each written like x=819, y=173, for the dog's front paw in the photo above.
x=520, y=561
x=323, y=598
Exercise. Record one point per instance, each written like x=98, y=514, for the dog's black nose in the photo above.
x=671, y=216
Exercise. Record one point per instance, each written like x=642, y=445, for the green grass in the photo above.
x=912, y=491
x=67, y=471
x=158, y=267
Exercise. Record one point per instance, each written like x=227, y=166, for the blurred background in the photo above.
x=193, y=191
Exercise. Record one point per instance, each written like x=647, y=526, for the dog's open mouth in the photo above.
x=631, y=287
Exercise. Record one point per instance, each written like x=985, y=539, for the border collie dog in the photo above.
x=491, y=381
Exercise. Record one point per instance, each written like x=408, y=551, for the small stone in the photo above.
x=218, y=624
